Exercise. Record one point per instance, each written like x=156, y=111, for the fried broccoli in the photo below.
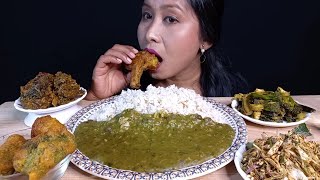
x=7, y=150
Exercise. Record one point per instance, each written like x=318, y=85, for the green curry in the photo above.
x=153, y=142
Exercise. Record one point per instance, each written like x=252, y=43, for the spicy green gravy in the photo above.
x=153, y=142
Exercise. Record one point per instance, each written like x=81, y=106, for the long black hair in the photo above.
x=217, y=78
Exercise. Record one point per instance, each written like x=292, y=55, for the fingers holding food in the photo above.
x=108, y=77
x=142, y=62
x=118, y=54
x=129, y=51
x=7, y=151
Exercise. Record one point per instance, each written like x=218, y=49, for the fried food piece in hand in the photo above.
x=7, y=151
x=47, y=125
x=38, y=92
x=51, y=143
x=142, y=62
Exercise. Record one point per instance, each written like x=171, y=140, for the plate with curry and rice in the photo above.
x=160, y=133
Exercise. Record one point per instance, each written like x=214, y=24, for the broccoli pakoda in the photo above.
x=7, y=151
x=142, y=62
x=49, y=145
x=47, y=125
x=48, y=90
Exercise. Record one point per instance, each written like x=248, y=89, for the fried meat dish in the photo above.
x=7, y=151
x=51, y=142
x=142, y=62
x=48, y=90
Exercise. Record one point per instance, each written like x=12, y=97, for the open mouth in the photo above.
x=152, y=51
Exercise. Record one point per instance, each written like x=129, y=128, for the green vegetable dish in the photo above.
x=273, y=106
x=153, y=142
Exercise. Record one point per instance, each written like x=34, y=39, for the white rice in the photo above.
x=170, y=99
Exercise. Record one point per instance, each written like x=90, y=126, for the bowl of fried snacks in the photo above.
x=50, y=94
x=41, y=152
x=284, y=156
x=271, y=108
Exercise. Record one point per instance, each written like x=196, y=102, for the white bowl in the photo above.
x=62, y=112
x=237, y=161
x=54, y=174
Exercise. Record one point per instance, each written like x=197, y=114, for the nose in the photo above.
x=153, y=32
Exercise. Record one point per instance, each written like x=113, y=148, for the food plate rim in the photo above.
x=104, y=171
x=234, y=104
x=17, y=105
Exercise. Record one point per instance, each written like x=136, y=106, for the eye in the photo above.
x=146, y=15
x=171, y=20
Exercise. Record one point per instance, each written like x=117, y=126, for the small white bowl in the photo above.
x=62, y=112
x=237, y=161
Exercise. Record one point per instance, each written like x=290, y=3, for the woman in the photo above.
x=183, y=34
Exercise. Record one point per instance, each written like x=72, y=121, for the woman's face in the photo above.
x=171, y=29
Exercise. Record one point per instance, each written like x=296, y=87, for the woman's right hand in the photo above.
x=108, y=78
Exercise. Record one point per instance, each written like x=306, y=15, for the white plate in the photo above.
x=100, y=170
x=237, y=161
x=18, y=106
x=234, y=104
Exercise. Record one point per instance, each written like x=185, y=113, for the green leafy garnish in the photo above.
x=302, y=129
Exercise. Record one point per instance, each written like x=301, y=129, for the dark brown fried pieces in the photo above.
x=38, y=92
x=51, y=142
x=48, y=90
x=142, y=62
x=7, y=151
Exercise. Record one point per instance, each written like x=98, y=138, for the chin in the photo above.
x=157, y=75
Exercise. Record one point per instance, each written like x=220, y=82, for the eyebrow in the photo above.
x=167, y=6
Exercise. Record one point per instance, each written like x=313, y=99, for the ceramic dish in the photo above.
x=237, y=161
x=100, y=170
x=62, y=112
x=17, y=105
x=234, y=105
x=54, y=174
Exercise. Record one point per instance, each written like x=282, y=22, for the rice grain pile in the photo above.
x=170, y=99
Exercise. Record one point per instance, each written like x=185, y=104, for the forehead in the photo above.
x=181, y=5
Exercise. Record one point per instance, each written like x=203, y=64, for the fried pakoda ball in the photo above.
x=48, y=90
x=142, y=62
x=7, y=151
x=51, y=144
x=47, y=125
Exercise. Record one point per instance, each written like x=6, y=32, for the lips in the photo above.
x=152, y=51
